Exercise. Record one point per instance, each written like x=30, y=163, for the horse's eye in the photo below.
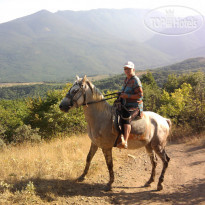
x=75, y=91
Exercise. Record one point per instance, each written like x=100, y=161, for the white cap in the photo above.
x=129, y=64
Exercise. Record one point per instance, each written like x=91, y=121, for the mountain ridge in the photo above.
x=47, y=46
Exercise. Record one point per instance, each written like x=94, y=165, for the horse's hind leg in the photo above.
x=93, y=149
x=165, y=159
x=108, y=157
x=153, y=160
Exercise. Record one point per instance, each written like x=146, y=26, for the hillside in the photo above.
x=160, y=74
x=49, y=46
x=186, y=66
x=15, y=91
x=25, y=91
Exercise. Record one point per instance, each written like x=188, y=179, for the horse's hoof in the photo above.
x=108, y=187
x=159, y=187
x=147, y=184
x=80, y=179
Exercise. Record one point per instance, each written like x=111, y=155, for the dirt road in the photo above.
x=184, y=180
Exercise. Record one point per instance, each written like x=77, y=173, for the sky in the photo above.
x=12, y=9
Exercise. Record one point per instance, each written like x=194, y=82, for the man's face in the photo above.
x=128, y=71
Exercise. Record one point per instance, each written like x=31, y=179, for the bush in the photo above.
x=24, y=133
x=12, y=114
x=2, y=144
x=44, y=113
x=2, y=131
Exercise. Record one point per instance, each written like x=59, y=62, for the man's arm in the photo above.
x=138, y=93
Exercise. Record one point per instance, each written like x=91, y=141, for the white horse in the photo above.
x=99, y=117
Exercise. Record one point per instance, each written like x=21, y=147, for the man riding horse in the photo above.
x=131, y=101
x=151, y=131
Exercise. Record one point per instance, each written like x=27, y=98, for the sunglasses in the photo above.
x=127, y=69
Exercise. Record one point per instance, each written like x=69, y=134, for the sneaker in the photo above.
x=122, y=145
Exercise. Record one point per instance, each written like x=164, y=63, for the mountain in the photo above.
x=181, y=46
x=49, y=46
x=125, y=24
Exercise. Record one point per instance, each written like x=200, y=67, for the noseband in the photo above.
x=82, y=88
x=72, y=98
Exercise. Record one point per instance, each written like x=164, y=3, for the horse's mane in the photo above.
x=101, y=106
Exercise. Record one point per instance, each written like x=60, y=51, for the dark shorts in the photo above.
x=126, y=116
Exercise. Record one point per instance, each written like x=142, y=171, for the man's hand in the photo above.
x=124, y=95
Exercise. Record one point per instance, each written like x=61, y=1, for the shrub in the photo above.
x=2, y=144
x=24, y=133
x=44, y=113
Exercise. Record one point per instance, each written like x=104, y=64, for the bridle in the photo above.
x=82, y=88
x=72, y=98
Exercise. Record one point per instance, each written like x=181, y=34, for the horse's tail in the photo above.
x=169, y=122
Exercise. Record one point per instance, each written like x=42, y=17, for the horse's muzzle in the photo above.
x=64, y=109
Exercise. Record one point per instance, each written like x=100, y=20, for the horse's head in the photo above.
x=77, y=95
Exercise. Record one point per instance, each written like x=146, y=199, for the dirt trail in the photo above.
x=184, y=180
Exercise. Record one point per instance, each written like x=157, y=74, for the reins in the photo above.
x=117, y=93
x=104, y=99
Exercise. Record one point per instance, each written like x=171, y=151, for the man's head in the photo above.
x=130, y=65
x=129, y=68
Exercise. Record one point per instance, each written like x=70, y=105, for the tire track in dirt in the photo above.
x=184, y=180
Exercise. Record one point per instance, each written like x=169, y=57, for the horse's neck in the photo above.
x=99, y=111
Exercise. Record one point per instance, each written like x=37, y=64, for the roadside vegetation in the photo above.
x=32, y=119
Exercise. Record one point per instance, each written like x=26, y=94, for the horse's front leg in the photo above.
x=108, y=157
x=93, y=149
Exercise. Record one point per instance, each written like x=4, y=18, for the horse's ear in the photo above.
x=77, y=78
x=90, y=86
x=84, y=79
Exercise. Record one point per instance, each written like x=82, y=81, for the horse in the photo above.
x=99, y=116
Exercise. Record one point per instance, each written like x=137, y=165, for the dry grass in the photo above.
x=27, y=161
x=187, y=136
x=42, y=173
x=197, y=140
x=21, y=166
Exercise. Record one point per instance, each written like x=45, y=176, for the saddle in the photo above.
x=138, y=125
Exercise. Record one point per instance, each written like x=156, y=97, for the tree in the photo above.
x=174, y=105
x=151, y=92
x=148, y=79
x=172, y=83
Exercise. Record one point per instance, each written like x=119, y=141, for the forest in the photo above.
x=36, y=117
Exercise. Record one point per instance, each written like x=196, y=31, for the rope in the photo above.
x=112, y=94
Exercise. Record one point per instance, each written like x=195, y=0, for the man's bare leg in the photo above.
x=127, y=130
